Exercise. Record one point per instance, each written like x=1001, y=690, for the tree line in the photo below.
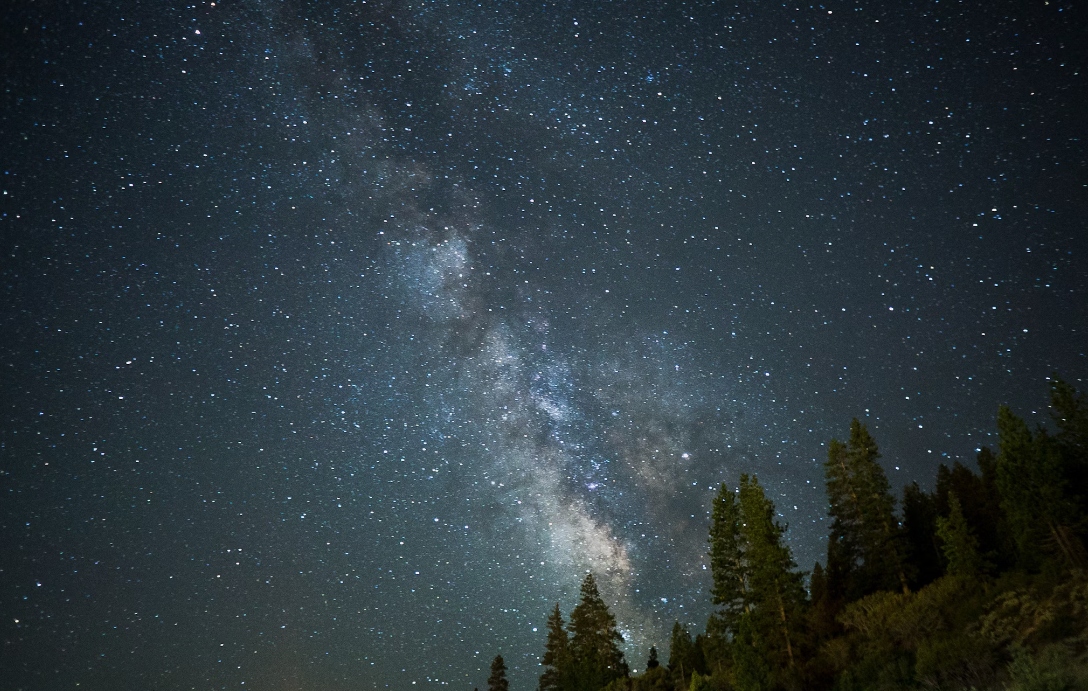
x=981, y=583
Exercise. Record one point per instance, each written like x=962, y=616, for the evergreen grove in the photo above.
x=979, y=584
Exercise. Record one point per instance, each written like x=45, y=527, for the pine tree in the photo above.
x=992, y=526
x=920, y=533
x=681, y=654
x=652, y=662
x=1070, y=412
x=844, y=552
x=726, y=566
x=594, y=642
x=864, y=554
x=497, y=680
x=1034, y=497
x=556, y=660
x=775, y=589
x=656, y=677
x=959, y=544
x=700, y=682
x=978, y=499
x=716, y=643
x=822, y=608
x=750, y=669
x=882, y=549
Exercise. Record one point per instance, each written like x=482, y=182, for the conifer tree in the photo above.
x=652, y=662
x=992, y=526
x=920, y=535
x=1070, y=412
x=882, y=548
x=864, y=554
x=775, y=589
x=843, y=547
x=959, y=544
x=821, y=613
x=594, y=641
x=556, y=660
x=681, y=654
x=750, y=669
x=1031, y=481
x=700, y=682
x=978, y=499
x=728, y=590
x=497, y=681
x=656, y=677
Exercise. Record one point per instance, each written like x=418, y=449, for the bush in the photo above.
x=1054, y=669
x=956, y=660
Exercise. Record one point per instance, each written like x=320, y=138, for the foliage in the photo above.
x=557, y=660
x=958, y=542
x=1031, y=477
x=700, y=683
x=864, y=551
x=729, y=588
x=497, y=681
x=955, y=659
x=980, y=505
x=750, y=670
x=621, y=684
x=776, y=591
x=1053, y=669
x=588, y=658
x=1034, y=613
x=922, y=550
x=684, y=658
x=1070, y=413
x=755, y=581
x=982, y=585
x=652, y=662
x=654, y=679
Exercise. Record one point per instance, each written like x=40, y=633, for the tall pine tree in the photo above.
x=497, y=680
x=652, y=662
x=978, y=499
x=958, y=542
x=557, y=661
x=1070, y=412
x=729, y=586
x=864, y=552
x=759, y=593
x=681, y=655
x=1032, y=482
x=920, y=532
x=775, y=589
x=594, y=641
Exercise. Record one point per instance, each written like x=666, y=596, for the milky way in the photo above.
x=342, y=340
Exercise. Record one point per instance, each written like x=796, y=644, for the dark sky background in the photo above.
x=340, y=339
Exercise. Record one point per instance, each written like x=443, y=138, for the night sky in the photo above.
x=340, y=339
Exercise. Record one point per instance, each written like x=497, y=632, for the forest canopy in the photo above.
x=980, y=583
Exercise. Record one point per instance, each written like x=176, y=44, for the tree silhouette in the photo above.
x=959, y=544
x=652, y=662
x=594, y=641
x=863, y=552
x=557, y=659
x=497, y=680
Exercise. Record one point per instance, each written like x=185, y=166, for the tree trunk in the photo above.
x=785, y=625
x=1070, y=545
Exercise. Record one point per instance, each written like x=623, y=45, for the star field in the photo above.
x=341, y=339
